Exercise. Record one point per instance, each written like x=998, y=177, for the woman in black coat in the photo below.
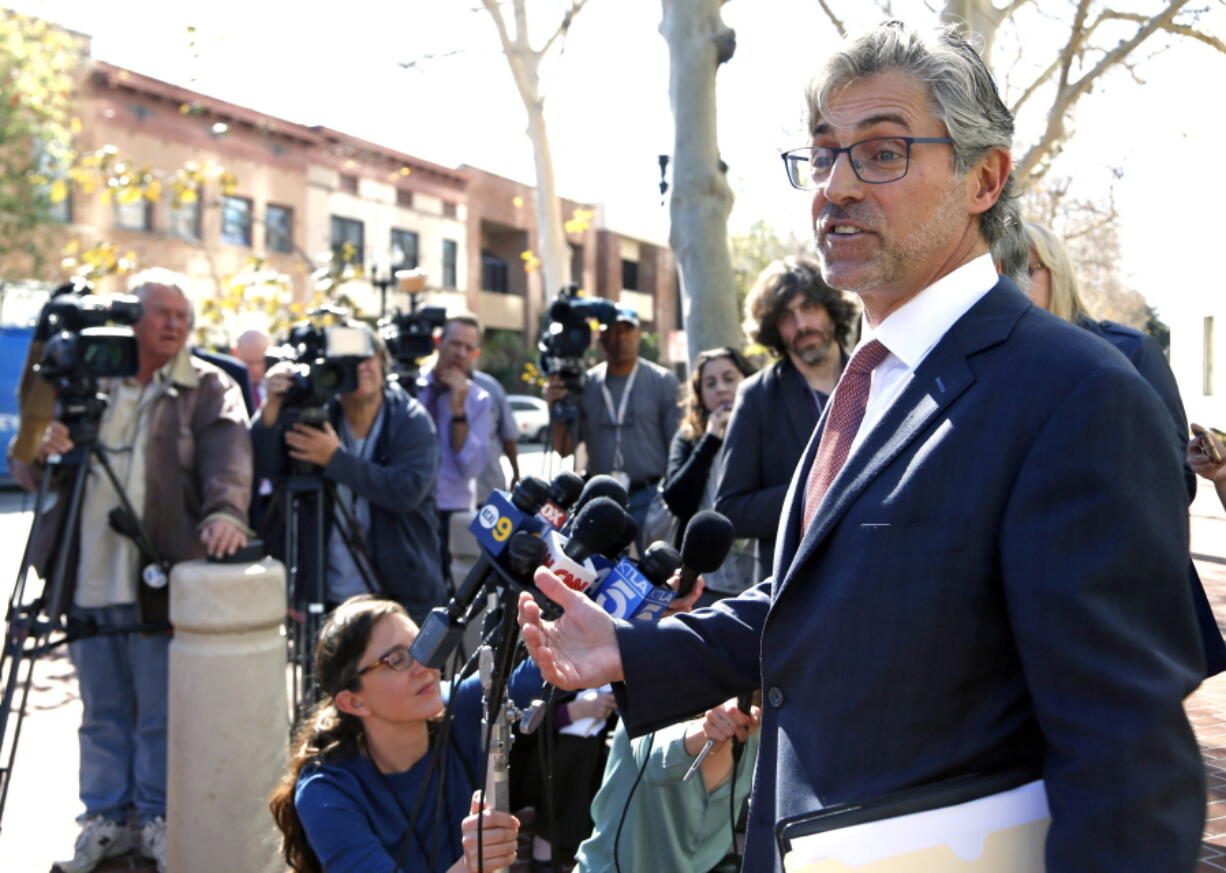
x=689, y=484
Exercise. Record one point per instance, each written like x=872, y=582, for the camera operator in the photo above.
x=175, y=435
x=628, y=414
x=378, y=446
x=463, y=412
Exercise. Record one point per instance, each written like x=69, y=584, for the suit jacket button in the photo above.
x=774, y=696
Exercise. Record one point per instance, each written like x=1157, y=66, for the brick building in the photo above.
x=302, y=193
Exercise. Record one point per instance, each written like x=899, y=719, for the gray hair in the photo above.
x=962, y=92
x=142, y=283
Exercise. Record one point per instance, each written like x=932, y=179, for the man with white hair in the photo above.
x=175, y=435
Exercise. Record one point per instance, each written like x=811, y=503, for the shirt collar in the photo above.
x=911, y=331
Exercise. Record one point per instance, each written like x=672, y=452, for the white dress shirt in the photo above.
x=911, y=331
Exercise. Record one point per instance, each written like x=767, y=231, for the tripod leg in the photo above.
x=27, y=633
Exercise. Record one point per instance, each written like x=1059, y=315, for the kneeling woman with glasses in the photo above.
x=376, y=783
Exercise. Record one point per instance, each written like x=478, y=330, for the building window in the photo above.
x=404, y=249
x=349, y=184
x=348, y=241
x=1207, y=376
x=630, y=275
x=404, y=198
x=279, y=229
x=236, y=221
x=449, y=262
x=183, y=220
x=494, y=274
x=448, y=209
x=134, y=215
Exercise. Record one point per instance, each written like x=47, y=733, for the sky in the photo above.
x=608, y=110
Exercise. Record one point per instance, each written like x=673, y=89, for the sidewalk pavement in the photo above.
x=38, y=825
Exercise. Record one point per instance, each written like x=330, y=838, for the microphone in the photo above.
x=601, y=486
x=639, y=592
x=503, y=514
x=708, y=539
x=617, y=547
x=594, y=528
x=563, y=492
x=444, y=627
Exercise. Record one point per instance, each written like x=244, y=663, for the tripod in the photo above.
x=32, y=622
x=302, y=502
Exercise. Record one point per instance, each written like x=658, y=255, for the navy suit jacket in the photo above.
x=996, y=579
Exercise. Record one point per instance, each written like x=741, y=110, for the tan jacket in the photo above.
x=198, y=466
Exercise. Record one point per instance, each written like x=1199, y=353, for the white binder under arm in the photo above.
x=980, y=824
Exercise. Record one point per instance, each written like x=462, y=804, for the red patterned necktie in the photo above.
x=846, y=413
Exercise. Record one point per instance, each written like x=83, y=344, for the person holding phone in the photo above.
x=1206, y=457
x=692, y=480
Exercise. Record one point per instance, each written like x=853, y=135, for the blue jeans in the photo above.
x=639, y=502
x=124, y=683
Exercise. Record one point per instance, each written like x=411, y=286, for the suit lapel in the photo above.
x=797, y=402
x=938, y=381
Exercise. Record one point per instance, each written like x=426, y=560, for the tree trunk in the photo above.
x=981, y=17
x=554, y=253
x=701, y=198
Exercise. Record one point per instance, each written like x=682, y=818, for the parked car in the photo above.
x=531, y=417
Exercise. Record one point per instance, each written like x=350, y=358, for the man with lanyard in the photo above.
x=627, y=415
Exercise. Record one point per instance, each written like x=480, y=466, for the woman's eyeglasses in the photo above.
x=398, y=658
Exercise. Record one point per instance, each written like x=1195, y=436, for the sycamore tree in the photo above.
x=700, y=197
x=511, y=21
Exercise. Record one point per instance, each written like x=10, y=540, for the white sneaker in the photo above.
x=100, y=838
x=153, y=841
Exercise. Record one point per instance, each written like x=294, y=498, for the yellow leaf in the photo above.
x=59, y=191
x=75, y=125
x=153, y=190
x=517, y=201
x=72, y=247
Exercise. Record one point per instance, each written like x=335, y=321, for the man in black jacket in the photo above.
x=808, y=324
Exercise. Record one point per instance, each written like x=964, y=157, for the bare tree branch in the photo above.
x=1028, y=168
x=1172, y=27
x=417, y=63
x=1035, y=85
x=834, y=19
x=564, y=25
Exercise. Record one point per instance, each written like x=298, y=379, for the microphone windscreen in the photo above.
x=598, y=524
x=566, y=488
x=603, y=486
x=708, y=539
x=530, y=494
x=525, y=553
x=619, y=545
x=659, y=562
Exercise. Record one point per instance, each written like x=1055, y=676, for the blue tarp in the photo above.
x=13, y=344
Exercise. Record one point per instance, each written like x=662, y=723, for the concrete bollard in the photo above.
x=229, y=716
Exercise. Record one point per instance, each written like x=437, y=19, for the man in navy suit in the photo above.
x=995, y=577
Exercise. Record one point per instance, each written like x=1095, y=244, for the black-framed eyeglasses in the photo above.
x=875, y=161
x=398, y=658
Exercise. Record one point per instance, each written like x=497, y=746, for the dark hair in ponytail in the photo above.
x=327, y=732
